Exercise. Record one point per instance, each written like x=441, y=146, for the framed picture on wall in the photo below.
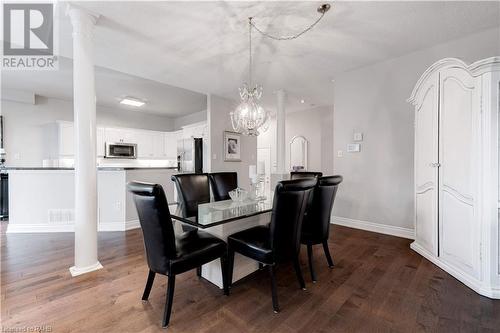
x=232, y=147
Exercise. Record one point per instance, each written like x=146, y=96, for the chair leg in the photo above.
x=198, y=271
x=223, y=267
x=230, y=265
x=310, y=258
x=296, y=265
x=149, y=284
x=327, y=254
x=169, y=301
x=274, y=293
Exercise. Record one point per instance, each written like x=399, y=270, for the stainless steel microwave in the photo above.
x=120, y=150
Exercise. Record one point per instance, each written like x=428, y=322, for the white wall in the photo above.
x=378, y=181
x=316, y=125
x=24, y=126
x=190, y=119
x=267, y=139
x=219, y=121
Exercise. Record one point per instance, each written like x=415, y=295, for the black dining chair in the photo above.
x=280, y=240
x=305, y=174
x=166, y=253
x=316, y=226
x=192, y=189
x=222, y=183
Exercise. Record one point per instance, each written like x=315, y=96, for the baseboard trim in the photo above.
x=374, y=227
x=111, y=226
x=474, y=284
x=50, y=228
x=133, y=224
x=38, y=228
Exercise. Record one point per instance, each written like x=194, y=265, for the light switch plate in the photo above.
x=353, y=148
x=358, y=136
x=340, y=153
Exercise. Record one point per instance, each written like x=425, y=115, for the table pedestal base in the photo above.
x=243, y=266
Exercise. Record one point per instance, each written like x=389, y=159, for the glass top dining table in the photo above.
x=220, y=212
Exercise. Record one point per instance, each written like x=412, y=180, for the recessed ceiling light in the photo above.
x=132, y=102
x=302, y=101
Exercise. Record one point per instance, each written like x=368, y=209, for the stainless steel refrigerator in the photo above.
x=190, y=155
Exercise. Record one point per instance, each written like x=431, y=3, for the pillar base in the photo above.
x=75, y=271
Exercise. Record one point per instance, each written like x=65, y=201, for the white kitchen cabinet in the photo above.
x=170, y=144
x=158, y=145
x=198, y=130
x=66, y=139
x=101, y=144
x=144, y=141
x=59, y=139
x=457, y=171
x=150, y=144
x=125, y=135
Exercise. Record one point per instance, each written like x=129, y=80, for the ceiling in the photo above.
x=111, y=87
x=203, y=46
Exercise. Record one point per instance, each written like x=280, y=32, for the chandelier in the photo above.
x=250, y=118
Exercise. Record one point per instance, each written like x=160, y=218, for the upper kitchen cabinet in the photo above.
x=159, y=145
x=170, y=144
x=198, y=130
x=122, y=135
x=144, y=141
x=66, y=139
x=60, y=138
x=101, y=143
x=150, y=144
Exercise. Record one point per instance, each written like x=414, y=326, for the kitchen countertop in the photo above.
x=112, y=168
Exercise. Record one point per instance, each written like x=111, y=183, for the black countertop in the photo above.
x=110, y=168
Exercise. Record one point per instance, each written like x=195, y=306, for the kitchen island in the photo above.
x=43, y=199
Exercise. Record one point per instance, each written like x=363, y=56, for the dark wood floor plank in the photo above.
x=378, y=285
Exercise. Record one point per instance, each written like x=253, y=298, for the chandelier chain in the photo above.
x=250, y=51
x=252, y=24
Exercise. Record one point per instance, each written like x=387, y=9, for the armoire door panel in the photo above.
x=458, y=182
x=426, y=128
x=457, y=135
x=426, y=229
x=457, y=244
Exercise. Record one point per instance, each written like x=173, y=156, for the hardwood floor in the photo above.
x=378, y=285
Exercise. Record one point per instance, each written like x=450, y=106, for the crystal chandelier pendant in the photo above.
x=250, y=117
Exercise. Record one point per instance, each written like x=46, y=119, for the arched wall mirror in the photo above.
x=298, y=153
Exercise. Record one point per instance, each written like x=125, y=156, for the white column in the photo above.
x=281, y=169
x=84, y=101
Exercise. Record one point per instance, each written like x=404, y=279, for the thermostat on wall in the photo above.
x=358, y=136
x=353, y=148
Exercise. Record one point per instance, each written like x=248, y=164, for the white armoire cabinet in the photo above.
x=456, y=170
